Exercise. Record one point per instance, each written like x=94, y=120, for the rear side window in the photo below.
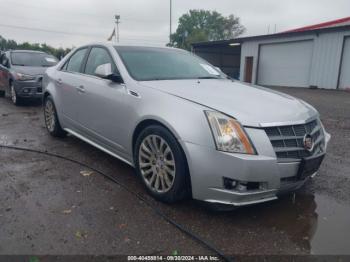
x=98, y=56
x=76, y=60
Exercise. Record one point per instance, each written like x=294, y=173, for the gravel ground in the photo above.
x=49, y=207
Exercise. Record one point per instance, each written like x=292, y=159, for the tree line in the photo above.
x=8, y=44
x=194, y=26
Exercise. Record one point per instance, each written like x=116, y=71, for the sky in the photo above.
x=68, y=23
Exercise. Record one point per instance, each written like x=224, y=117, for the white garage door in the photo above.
x=344, y=82
x=285, y=64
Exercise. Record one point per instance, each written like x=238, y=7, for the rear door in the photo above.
x=68, y=82
x=103, y=103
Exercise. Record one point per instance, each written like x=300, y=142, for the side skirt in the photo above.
x=98, y=146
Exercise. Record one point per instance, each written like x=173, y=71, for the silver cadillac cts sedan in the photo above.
x=186, y=128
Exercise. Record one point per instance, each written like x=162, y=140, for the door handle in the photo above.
x=59, y=82
x=81, y=89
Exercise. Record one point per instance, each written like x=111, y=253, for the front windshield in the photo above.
x=147, y=63
x=33, y=59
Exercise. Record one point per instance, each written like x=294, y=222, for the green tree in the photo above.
x=202, y=25
x=13, y=45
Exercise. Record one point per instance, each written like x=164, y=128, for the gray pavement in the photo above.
x=48, y=207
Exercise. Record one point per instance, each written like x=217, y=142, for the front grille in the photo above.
x=288, y=141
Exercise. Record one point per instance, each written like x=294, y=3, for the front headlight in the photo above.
x=24, y=77
x=228, y=134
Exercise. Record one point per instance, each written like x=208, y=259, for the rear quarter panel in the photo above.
x=49, y=88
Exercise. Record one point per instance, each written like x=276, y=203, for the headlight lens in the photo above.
x=228, y=134
x=24, y=77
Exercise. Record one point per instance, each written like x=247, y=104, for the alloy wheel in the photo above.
x=157, y=163
x=13, y=94
x=50, y=117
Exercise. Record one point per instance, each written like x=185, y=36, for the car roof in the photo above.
x=27, y=51
x=111, y=44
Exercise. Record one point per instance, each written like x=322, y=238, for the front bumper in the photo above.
x=29, y=89
x=209, y=167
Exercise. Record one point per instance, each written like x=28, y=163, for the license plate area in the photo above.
x=309, y=166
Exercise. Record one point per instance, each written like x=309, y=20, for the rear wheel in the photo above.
x=51, y=120
x=161, y=164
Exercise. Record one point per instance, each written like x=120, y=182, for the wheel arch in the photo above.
x=151, y=121
x=10, y=81
x=148, y=122
x=45, y=95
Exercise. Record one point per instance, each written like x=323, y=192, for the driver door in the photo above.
x=102, y=103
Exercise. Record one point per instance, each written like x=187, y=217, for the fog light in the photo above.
x=230, y=183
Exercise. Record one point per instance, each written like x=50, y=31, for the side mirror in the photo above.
x=4, y=60
x=105, y=71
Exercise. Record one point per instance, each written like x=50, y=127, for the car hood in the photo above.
x=251, y=105
x=29, y=70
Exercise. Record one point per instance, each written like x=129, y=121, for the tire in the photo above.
x=159, y=157
x=51, y=120
x=2, y=93
x=16, y=100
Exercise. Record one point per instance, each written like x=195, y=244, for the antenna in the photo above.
x=171, y=19
x=117, y=18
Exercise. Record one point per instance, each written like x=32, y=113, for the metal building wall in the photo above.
x=285, y=64
x=251, y=48
x=344, y=81
x=326, y=58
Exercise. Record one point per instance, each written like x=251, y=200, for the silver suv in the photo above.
x=21, y=73
x=188, y=129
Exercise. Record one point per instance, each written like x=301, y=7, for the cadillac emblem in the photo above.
x=308, y=142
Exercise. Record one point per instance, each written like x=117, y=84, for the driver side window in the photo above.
x=98, y=56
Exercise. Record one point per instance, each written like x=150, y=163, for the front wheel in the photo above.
x=161, y=164
x=14, y=97
x=51, y=120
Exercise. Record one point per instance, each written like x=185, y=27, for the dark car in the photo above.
x=21, y=73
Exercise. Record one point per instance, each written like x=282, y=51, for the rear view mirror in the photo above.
x=105, y=71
